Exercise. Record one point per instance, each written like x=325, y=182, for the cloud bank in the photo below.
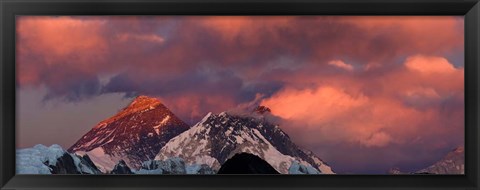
x=359, y=85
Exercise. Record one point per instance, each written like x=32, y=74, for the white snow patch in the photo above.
x=323, y=168
x=278, y=160
x=201, y=147
x=326, y=169
x=31, y=160
x=297, y=168
x=206, y=117
x=238, y=140
x=104, y=162
x=164, y=121
x=229, y=131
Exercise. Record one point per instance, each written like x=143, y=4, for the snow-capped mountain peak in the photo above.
x=217, y=138
x=135, y=134
x=144, y=102
x=139, y=104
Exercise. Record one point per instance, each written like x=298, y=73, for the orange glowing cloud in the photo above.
x=334, y=115
x=374, y=113
x=60, y=36
x=45, y=42
x=435, y=74
x=324, y=102
x=429, y=65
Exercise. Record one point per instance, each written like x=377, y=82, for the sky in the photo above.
x=365, y=93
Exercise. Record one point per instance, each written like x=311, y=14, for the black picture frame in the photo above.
x=9, y=9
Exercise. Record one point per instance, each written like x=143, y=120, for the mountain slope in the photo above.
x=217, y=138
x=134, y=135
x=452, y=163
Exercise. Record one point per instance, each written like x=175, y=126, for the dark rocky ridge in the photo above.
x=121, y=168
x=245, y=163
x=66, y=165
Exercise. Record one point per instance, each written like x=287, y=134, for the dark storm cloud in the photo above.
x=200, y=83
x=195, y=81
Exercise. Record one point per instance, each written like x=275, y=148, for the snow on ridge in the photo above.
x=91, y=142
x=165, y=120
x=162, y=123
x=39, y=160
x=298, y=168
x=205, y=118
x=31, y=160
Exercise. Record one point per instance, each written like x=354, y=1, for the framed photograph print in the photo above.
x=256, y=94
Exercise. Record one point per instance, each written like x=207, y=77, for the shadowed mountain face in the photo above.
x=134, y=135
x=245, y=163
x=66, y=164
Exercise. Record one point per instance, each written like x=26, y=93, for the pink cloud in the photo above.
x=45, y=42
x=429, y=65
x=60, y=36
x=341, y=64
x=405, y=89
x=349, y=112
x=145, y=37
